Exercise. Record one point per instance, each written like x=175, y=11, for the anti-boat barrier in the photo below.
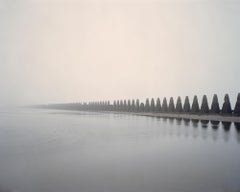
x=165, y=109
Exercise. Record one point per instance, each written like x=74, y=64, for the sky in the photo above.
x=57, y=51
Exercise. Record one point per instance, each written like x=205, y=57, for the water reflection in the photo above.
x=195, y=123
x=186, y=122
x=214, y=133
x=204, y=133
x=164, y=119
x=171, y=120
x=215, y=124
x=195, y=129
x=226, y=125
x=204, y=123
x=237, y=128
x=178, y=121
x=118, y=153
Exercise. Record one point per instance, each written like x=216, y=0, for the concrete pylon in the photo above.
x=204, y=106
x=133, y=105
x=129, y=105
x=118, y=106
x=158, y=105
x=237, y=106
x=141, y=108
x=125, y=105
x=179, y=108
x=226, y=108
x=152, y=108
x=215, y=105
x=195, y=105
x=121, y=105
x=186, y=106
x=171, y=107
x=147, y=105
x=164, y=105
x=114, y=108
x=137, y=109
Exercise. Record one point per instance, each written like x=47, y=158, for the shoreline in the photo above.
x=209, y=117
x=200, y=117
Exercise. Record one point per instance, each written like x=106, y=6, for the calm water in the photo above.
x=64, y=151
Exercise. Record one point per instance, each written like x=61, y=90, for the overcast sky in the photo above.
x=83, y=50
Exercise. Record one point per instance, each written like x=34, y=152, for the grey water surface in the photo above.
x=71, y=151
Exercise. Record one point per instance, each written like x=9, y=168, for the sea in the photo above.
x=46, y=150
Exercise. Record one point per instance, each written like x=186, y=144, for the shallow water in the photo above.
x=66, y=151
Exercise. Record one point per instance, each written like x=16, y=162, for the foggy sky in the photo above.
x=89, y=50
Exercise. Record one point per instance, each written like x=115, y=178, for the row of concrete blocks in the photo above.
x=164, y=107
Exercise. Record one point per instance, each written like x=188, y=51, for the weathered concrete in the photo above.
x=226, y=109
x=164, y=105
x=186, y=106
x=152, y=108
x=133, y=105
x=158, y=105
x=204, y=106
x=237, y=106
x=171, y=107
x=215, y=105
x=195, y=105
x=129, y=105
x=125, y=105
x=179, y=108
x=147, y=105
x=141, y=108
x=137, y=108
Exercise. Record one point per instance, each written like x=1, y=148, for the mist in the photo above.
x=72, y=51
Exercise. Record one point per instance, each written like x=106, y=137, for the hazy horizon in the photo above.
x=54, y=51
